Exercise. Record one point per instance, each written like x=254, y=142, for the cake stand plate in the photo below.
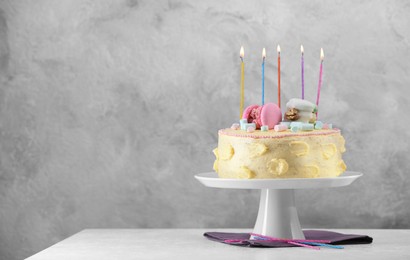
x=277, y=215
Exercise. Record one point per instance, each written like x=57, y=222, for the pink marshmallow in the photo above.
x=250, y=129
x=235, y=126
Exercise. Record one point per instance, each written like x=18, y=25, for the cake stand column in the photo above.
x=277, y=215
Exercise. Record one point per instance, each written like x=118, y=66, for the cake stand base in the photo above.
x=277, y=215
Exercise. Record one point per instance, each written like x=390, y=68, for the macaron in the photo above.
x=300, y=110
x=268, y=114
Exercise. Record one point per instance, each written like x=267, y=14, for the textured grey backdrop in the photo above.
x=108, y=109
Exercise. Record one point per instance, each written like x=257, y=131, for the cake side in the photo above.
x=285, y=154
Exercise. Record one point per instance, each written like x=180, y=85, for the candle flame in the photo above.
x=242, y=53
x=301, y=49
x=263, y=53
x=278, y=49
x=322, y=55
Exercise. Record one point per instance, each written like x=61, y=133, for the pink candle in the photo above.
x=320, y=78
x=278, y=50
x=303, y=71
x=263, y=75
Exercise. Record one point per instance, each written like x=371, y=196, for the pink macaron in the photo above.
x=268, y=114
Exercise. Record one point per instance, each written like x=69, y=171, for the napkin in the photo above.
x=244, y=238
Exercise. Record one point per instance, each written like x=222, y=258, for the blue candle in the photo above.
x=263, y=75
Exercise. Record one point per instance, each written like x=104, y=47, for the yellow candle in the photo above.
x=241, y=55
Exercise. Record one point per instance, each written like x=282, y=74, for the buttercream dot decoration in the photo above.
x=277, y=167
x=225, y=152
x=342, y=166
x=215, y=151
x=245, y=173
x=216, y=165
x=299, y=148
x=311, y=171
x=328, y=150
x=256, y=149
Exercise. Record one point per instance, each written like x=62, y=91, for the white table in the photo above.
x=124, y=244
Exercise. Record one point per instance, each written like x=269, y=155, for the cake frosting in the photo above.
x=262, y=146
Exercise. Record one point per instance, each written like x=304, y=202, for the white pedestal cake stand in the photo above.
x=277, y=215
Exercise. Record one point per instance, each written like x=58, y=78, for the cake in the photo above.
x=263, y=146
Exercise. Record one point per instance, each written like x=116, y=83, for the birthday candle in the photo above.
x=263, y=75
x=320, y=78
x=278, y=49
x=242, y=55
x=303, y=71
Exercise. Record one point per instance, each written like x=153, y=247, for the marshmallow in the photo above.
x=318, y=125
x=306, y=127
x=287, y=124
x=250, y=129
x=247, y=125
x=298, y=124
x=235, y=126
x=264, y=128
x=243, y=122
x=279, y=128
x=327, y=126
x=294, y=128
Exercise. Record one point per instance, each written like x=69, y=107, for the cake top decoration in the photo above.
x=267, y=115
x=300, y=110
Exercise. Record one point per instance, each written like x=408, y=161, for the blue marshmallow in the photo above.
x=249, y=125
x=243, y=122
x=318, y=125
x=298, y=124
x=306, y=127
x=294, y=128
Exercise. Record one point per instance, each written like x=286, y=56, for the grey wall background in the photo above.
x=108, y=109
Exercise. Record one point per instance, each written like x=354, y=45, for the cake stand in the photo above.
x=277, y=215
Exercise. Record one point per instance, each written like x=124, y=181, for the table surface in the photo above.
x=127, y=244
